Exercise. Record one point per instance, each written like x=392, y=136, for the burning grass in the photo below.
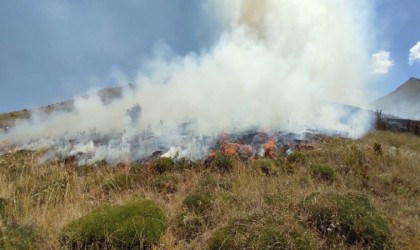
x=228, y=200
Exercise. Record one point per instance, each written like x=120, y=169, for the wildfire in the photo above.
x=229, y=148
x=269, y=148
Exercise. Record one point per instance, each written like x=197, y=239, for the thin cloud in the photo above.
x=381, y=62
x=414, y=54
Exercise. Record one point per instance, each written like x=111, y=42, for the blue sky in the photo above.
x=52, y=50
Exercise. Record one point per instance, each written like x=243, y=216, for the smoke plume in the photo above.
x=278, y=65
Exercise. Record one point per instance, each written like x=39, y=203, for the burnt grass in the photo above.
x=332, y=194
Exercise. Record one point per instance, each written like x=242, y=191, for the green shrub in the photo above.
x=164, y=164
x=322, y=172
x=3, y=204
x=349, y=218
x=297, y=157
x=246, y=234
x=223, y=163
x=377, y=148
x=210, y=183
x=165, y=183
x=266, y=166
x=18, y=236
x=198, y=202
x=139, y=224
x=189, y=226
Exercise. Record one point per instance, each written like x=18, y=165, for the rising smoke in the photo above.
x=281, y=65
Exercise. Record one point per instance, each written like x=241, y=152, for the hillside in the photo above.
x=107, y=95
x=404, y=102
x=332, y=194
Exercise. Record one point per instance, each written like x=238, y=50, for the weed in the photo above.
x=349, y=218
x=266, y=166
x=18, y=236
x=223, y=163
x=198, y=202
x=165, y=183
x=322, y=173
x=164, y=164
x=377, y=148
x=244, y=233
x=297, y=157
x=189, y=226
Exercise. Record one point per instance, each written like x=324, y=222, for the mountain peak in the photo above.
x=403, y=102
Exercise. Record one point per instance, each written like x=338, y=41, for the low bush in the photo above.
x=347, y=218
x=322, y=172
x=246, y=234
x=138, y=224
x=198, y=202
x=165, y=183
x=189, y=226
x=223, y=163
x=211, y=183
x=164, y=164
x=18, y=236
x=297, y=157
x=266, y=166
x=3, y=204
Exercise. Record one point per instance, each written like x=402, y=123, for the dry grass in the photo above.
x=52, y=195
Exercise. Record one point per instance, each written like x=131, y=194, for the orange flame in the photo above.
x=229, y=148
x=269, y=148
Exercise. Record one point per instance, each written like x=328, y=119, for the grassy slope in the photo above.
x=51, y=195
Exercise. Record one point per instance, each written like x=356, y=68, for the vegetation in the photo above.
x=343, y=194
x=164, y=164
x=138, y=223
x=322, y=173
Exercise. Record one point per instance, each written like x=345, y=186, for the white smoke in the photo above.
x=278, y=65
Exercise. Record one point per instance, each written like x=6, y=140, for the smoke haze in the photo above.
x=279, y=65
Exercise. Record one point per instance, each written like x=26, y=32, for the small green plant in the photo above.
x=165, y=183
x=266, y=166
x=377, y=148
x=198, y=202
x=223, y=163
x=211, y=183
x=189, y=226
x=246, y=234
x=3, y=204
x=164, y=164
x=18, y=236
x=349, y=218
x=297, y=157
x=137, y=224
x=322, y=173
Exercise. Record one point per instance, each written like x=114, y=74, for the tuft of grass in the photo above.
x=266, y=166
x=211, y=183
x=297, y=157
x=198, y=202
x=350, y=218
x=18, y=236
x=189, y=226
x=3, y=204
x=164, y=164
x=139, y=224
x=248, y=234
x=165, y=183
x=322, y=172
x=223, y=163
